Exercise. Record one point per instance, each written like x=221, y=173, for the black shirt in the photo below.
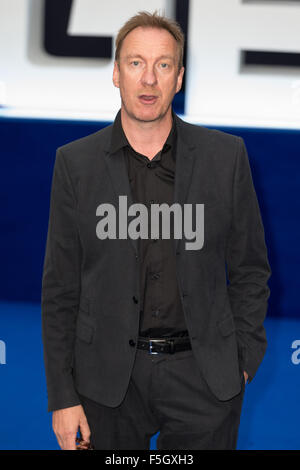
x=152, y=181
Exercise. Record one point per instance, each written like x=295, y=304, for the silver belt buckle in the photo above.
x=151, y=341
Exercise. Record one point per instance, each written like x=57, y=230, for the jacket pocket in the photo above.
x=226, y=326
x=84, y=304
x=84, y=331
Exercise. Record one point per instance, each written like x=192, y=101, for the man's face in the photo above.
x=147, y=74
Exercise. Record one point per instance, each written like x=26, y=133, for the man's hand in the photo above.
x=65, y=425
x=246, y=376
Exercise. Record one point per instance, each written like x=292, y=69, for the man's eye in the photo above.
x=164, y=65
x=135, y=63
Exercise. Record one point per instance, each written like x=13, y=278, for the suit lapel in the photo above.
x=118, y=172
x=185, y=156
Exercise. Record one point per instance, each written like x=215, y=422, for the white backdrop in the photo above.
x=37, y=84
x=218, y=89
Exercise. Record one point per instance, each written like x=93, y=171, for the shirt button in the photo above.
x=155, y=313
x=134, y=298
x=154, y=276
x=131, y=342
x=149, y=165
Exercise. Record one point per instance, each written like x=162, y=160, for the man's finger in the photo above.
x=59, y=440
x=69, y=443
x=85, y=430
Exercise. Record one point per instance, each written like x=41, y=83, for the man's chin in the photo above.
x=149, y=116
x=142, y=114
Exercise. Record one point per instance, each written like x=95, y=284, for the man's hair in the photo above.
x=151, y=20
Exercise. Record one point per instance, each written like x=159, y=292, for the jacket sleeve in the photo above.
x=247, y=267
x=60, y=289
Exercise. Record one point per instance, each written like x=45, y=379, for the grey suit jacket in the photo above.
x=90, y=287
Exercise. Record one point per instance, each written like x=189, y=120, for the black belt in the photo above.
x=164, y=345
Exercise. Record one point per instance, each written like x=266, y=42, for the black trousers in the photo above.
x=166, y=393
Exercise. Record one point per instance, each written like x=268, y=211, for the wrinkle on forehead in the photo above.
x=141, y=42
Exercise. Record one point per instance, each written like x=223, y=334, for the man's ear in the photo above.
x=179, y=79
x=116, y=75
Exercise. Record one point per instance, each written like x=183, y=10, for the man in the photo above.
x=142, y=334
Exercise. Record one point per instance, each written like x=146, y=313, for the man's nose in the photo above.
x=149, y=76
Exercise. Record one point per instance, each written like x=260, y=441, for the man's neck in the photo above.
x=147, y=138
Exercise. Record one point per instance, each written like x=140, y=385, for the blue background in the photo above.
x=27, y=157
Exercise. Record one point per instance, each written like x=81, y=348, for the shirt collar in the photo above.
x=119, y=139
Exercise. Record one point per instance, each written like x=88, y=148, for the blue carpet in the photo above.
x=271, y=412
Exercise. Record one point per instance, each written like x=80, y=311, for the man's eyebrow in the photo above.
x=135, y=56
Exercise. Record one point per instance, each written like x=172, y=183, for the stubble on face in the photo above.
x=148, y=75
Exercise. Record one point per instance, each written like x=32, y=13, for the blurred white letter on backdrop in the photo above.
x=218, y=90
x=40, y=84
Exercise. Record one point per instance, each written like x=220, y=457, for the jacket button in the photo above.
x=135, y=299
x=155, y=313
x=154, y=276
x=131, y=342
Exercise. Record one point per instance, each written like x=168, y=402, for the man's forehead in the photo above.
x=159, y=37
x=149, y=43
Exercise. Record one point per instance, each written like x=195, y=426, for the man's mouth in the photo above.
x=148, y=99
